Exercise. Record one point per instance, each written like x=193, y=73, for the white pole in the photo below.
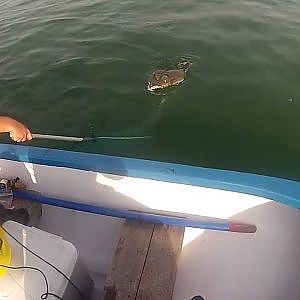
x=57, y=137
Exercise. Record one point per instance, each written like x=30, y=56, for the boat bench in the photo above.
x=145, y=262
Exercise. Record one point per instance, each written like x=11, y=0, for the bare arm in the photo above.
x=17, y=131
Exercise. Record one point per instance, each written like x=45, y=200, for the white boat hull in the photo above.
x=216, y=265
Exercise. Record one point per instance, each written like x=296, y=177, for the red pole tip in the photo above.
x=243, y=228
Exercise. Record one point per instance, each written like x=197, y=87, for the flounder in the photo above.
x=161, y=79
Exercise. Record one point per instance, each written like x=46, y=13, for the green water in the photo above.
x=68, y=65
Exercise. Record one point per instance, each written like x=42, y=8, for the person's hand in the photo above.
x=19, y=132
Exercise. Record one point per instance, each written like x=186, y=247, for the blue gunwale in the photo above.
x=277, y=189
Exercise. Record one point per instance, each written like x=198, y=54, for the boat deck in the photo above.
x=215, y=265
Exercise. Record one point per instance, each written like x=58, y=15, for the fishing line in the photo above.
x=44, y=295
x=45, y=261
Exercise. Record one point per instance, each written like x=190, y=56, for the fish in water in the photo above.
x=161, y=79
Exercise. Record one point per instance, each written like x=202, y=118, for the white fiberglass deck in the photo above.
x=262, y=266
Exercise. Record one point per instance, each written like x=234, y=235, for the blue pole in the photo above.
x=189, y=221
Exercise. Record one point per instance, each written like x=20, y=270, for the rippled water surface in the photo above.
x=72, y=67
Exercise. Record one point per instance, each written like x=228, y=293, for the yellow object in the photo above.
x=5, y=253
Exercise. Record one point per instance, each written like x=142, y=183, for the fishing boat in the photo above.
x=86, y=198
